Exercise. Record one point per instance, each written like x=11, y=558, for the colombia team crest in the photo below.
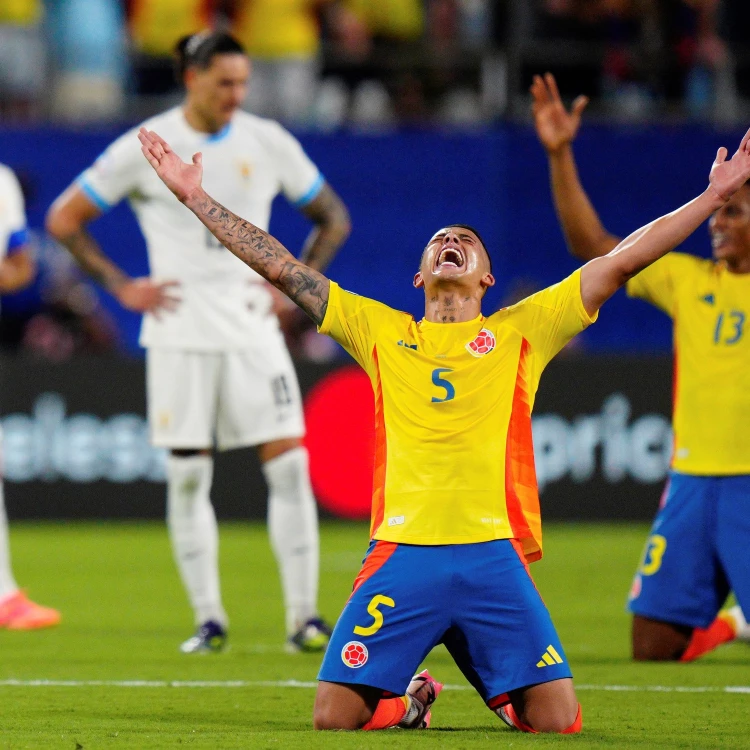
x=483, y=344
x=354, y=654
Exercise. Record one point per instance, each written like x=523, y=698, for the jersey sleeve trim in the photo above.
x=312, y=192
x=92, y=195
x=333, y=301
x=17, y=240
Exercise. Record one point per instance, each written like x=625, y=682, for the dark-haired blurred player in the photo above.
x=218, y=372
x=17, y=611
x=456, y=513
x=698, y=545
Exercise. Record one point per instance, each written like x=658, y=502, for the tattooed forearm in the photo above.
x=85, y=249
x=305, y=286
x=332, y=226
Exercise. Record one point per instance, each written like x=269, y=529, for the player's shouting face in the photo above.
x=730, y=230
x=455, y=257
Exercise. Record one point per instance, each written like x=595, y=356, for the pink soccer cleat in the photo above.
x=18, y=612
x=423, y=691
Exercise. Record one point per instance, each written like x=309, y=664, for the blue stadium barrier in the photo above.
x=402, y=187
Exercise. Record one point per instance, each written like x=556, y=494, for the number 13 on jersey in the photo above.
x=729, y=327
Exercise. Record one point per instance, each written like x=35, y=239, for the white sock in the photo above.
x=8, y=584
x=194, y=533
x=293, y=528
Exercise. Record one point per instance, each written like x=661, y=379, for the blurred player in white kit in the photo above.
x=17, y=611
x=218, y=371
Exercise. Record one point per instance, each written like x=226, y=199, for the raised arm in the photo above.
x=305, y=286
x=556, y=128
x=602, y=277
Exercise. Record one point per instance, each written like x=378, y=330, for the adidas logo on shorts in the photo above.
x=549, y=658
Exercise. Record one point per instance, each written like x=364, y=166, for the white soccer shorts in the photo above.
x=229, y=399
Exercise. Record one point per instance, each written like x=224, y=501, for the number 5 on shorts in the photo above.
x=655, y=548
x=377, y=615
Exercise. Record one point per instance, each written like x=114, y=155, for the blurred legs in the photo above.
x=293, y=529
x=194, y=534
x=7, y=582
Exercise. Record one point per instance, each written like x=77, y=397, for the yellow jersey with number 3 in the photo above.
x=710, y=307
x=454, y=460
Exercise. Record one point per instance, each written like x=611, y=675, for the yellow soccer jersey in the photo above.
x=710, y=308
x=157, y=25
x=454, y=459
x=273, y=29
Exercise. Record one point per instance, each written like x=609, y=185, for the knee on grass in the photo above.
x=556, y=719
x=344, y=706
x=655, y=652
x=653, y=640
x=546, y=708
x=326, y=719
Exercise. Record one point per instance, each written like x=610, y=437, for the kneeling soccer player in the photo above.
x=455, y=506
x=695, y=551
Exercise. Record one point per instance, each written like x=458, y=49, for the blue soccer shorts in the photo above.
x=477, y=599
x=697, y=551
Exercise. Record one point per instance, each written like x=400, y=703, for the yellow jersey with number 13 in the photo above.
x=454, y=460
x=710, y=307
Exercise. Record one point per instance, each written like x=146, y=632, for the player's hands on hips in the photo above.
x=555, y=126
x=145, y=296
x=181, y=178
x=727, y=177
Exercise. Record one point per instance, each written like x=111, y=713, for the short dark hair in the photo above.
x=198, y=50
x=479, y=237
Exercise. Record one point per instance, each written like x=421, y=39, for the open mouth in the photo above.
x=718, y=240
x=450, y=256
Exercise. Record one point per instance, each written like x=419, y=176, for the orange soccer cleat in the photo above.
x=18, y=612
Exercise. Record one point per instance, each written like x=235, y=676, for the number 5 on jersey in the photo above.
x=376, y=614
x=443, y=383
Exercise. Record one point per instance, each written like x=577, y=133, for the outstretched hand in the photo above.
x=727, y=177
x=555, y=126
x=181, y=178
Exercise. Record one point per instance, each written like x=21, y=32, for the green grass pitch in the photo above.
x=124, y=615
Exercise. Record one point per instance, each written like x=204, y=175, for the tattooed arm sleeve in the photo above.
x=306, y=287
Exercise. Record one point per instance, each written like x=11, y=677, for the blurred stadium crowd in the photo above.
x=377, y=63
x=372, y=66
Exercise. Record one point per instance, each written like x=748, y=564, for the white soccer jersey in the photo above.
x=13, y=231
x=245, y=166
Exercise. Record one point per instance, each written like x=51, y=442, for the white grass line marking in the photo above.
x=744, y=689
x=667, y=688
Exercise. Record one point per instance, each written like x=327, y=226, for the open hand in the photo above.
x=555, y=126
x=181, y=178
x=143, y=295
x=727, y=177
